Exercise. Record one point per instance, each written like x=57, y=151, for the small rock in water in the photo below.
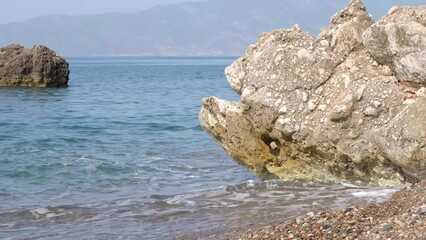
x=35, y=67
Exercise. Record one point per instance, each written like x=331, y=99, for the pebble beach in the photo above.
x=401, y=217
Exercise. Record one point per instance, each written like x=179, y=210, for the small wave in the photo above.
x=257, y=185
x=36, y=215
x=349, y=185
x=158, y=127
x=87, y=128
x=6, y=137
x=154, y=155
x=39, y=211
x=18, y=174
x=235, y=204
x=374, y=194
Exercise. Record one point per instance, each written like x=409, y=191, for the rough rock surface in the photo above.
x=35, y=67
x=347, y=105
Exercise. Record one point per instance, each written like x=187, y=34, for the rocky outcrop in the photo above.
x=35, y=67
x=398, y=41
x=347, y=105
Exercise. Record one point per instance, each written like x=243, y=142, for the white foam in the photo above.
x=192, y=176
x=40, y=211
x=92, y=167
x=250, y=183
x=270, y=185
x=176, y=201
x=290, y=197
x=376, y=193
x=51, y=215
x=241, y=197
x=9, y=224
x=345, y=184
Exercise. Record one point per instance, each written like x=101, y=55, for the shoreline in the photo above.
x=267, y=216
x=403, y=216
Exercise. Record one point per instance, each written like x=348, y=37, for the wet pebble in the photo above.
x=401, y=217
x=387, y=227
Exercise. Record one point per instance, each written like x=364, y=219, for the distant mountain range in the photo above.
x=215, y=27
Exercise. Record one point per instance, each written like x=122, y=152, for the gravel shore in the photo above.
x=401, y=217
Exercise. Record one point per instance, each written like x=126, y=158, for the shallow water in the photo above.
x=119, y=154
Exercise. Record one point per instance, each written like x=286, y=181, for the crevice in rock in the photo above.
x=407, y=177
x=273, y=144
x=322, y=83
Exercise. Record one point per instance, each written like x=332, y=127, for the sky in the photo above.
x=20, y=10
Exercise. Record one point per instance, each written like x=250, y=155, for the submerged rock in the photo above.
x=35, y=67
x=348, y=105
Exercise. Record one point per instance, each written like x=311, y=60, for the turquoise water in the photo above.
x=119, y=154
x=122, y=123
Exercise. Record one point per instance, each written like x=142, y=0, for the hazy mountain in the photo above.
x=215, y=27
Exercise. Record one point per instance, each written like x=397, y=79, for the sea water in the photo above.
x=119, y=154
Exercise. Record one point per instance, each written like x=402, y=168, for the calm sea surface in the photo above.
x=119, y=154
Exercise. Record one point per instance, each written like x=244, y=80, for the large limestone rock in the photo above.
x=348, y=105
x=35, y=67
